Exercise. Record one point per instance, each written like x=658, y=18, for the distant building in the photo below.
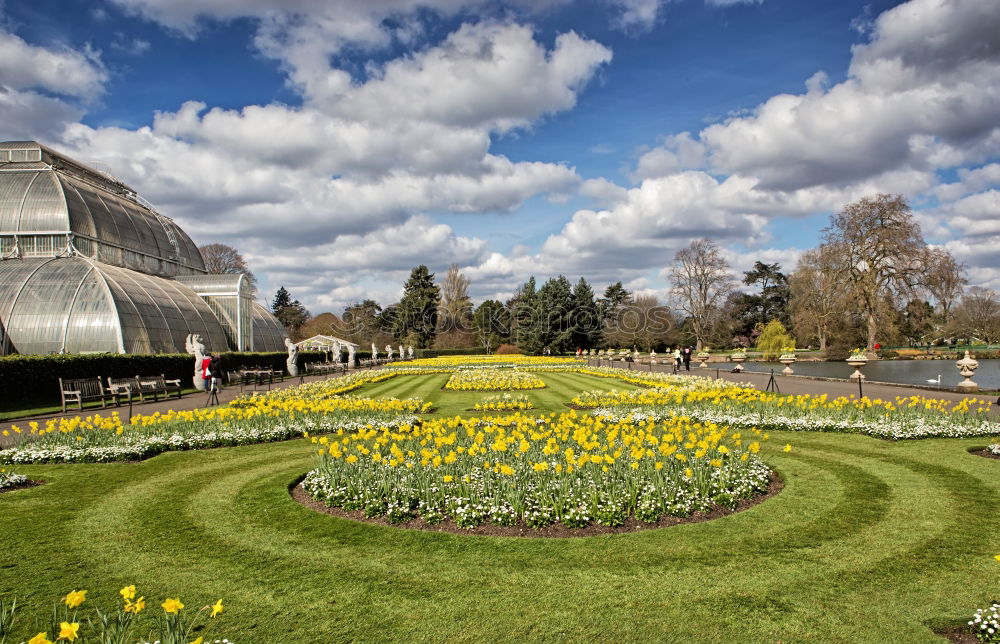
x=87, y=266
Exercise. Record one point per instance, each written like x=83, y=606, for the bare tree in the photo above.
x=978, y=315
x=700, y=282
x=945, y=280
x=455, y=307
x=817, y=296
x=644, y=323
x=221, y=259
x=881, y=254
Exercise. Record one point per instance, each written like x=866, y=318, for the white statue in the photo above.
x=410, y=351
x=336, y=352
x=388, y=352
x=374, y=352
x=402, y=356
x=292, y=363
x=193, y=345
x=351, y=364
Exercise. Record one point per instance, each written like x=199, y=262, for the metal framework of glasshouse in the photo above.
x=87, y=266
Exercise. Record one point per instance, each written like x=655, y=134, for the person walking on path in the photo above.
x=687, y=358
x=677, y=359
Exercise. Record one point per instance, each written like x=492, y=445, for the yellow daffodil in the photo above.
x=68, y=631
x=173, y=606
x=217, y=608
x=75, y=598
x=788, y=448
x=128, y=592
x=135, y=607
x=41, y=638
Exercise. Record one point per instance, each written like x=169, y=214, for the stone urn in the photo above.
x=857, y=361
x=787, y=359
x=967, y=368
x=703, y=358
x=739, y=357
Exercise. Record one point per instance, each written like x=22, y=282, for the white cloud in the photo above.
x=605, y=193
x=970, y=180
x=921, y=95
x=676, y=153
x=496, y=76
x=345, y=181
x=62, y=71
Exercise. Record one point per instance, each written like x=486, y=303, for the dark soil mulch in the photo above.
x=22, y=486
x=555, y=530
x=985, y=453
x=959, y=634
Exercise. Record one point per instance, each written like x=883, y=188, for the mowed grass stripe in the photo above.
x=868, y=540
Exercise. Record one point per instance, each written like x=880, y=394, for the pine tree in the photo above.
x=281, y=300
x=417, y=313
x=523, y=314
x=555, y=307
x=586, y=319
x=291, y=313
x=615, y=296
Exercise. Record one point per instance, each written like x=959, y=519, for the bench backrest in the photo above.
x=86, y=386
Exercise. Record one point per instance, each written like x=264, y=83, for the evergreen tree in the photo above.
x=417, y=312
x=772, y=301
x=362, y=321
x=555, y=307
x=586, y=319
x=281, y=300
x=523, y=314
x=615, y=296
x=291, y=313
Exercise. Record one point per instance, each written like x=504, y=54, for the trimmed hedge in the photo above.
x=36, y=378
x=434, y=353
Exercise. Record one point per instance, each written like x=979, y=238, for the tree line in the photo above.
x=873, y=279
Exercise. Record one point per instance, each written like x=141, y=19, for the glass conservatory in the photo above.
x=87, y=266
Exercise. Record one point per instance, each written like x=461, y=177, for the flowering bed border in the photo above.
x=985, y=452
x=21, y=486
x=555, y=530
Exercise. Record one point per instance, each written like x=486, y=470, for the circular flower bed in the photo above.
x=10, y=480
x=571, y=469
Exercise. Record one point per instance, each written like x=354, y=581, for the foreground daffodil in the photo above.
x=68, y=631
x=173, y=606
x=41, y=638
x=135, y=607
x=128, y=592
x=217, y=608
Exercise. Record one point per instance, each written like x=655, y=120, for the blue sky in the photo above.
x=338, y=143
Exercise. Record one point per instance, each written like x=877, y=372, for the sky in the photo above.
x=339, y=143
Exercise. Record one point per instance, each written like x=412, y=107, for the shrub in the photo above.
x=507, y=348
x=774, y=340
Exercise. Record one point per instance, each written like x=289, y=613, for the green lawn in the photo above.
x=560, y=388
x=870, y=541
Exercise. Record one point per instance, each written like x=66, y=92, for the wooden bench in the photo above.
x=157, y=385
x=122, y=389
x=81, y=389
x=238, y=377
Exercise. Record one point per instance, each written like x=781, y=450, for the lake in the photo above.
x=909, y=372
